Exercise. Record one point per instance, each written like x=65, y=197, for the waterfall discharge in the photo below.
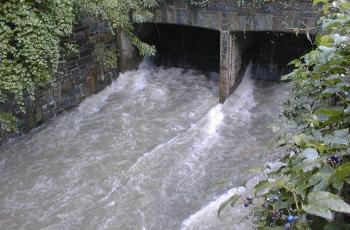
x=154, y=150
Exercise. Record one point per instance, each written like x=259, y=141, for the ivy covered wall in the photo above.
x=79, y=75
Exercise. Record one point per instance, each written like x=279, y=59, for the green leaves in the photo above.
x=320, y=180
x=272, y=183
x=339, y=225
x=315, y=2
x=29, y=44
x=326, y=116
x=342, y=173
x=7, y=122
x=105, y=58
x=308, y=155
x=323, y=203
x=231, y=201
x=319, y=167
x=122, y=15
x=309, y=158
x=31, y=33
x=324, y=40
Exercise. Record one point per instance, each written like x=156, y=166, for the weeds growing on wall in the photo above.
x=30, y=43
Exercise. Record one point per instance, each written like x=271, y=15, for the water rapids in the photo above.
x=154, y=150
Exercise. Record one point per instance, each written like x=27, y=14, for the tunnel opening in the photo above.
x=226, y=53
x=183, y=46
x=271, y=52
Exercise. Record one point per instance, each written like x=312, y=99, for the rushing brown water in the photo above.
x=148, y=152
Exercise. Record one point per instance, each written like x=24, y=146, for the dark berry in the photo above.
x=290, y=218
x=249, y=198
x=246, y=203
x=335, y=159
x=287, y=226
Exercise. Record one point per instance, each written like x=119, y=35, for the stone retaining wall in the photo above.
x=78, y=76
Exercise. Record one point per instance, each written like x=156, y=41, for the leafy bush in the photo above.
x=30, y=33
x=312, y=190
x=105, y=58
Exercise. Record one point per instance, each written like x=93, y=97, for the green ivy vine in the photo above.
x=31, y=33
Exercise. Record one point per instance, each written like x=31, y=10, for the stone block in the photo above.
x=225, y=21
x=170, y=15
x=249, y=23
x=263, y=21
x=180, y=3
x=218, y=7
x=202, y=18
x=181, y=16
x=170, y=2
x=275, y=24
x=157, y=16
x=80, y=28
x=213, y=21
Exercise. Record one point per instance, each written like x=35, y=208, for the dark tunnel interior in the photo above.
x=271, y=52
x=199, y=48
x=183, y=46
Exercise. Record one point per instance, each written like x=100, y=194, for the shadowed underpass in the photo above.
x=199, y=48
x=183, y=46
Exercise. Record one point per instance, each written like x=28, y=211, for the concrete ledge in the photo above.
x=226, y=15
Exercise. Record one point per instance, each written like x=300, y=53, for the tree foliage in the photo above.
x=31, y=32
x=312, y=190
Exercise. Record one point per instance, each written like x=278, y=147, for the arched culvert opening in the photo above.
x=183, y=46
x=271, y=52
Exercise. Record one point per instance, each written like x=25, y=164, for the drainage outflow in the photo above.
x=227, y=53
x=272, y=51
x=183, y=46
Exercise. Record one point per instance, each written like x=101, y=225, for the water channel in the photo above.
x=148, y=152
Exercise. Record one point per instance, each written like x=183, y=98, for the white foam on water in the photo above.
x=143, y=154
x=237, y=217
x=94, y=103
x=209, y=124
x=137, y=78
x=238, y=105
x=210, y=211
x=237, y=108
x=140, y=82
x=215, y=118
